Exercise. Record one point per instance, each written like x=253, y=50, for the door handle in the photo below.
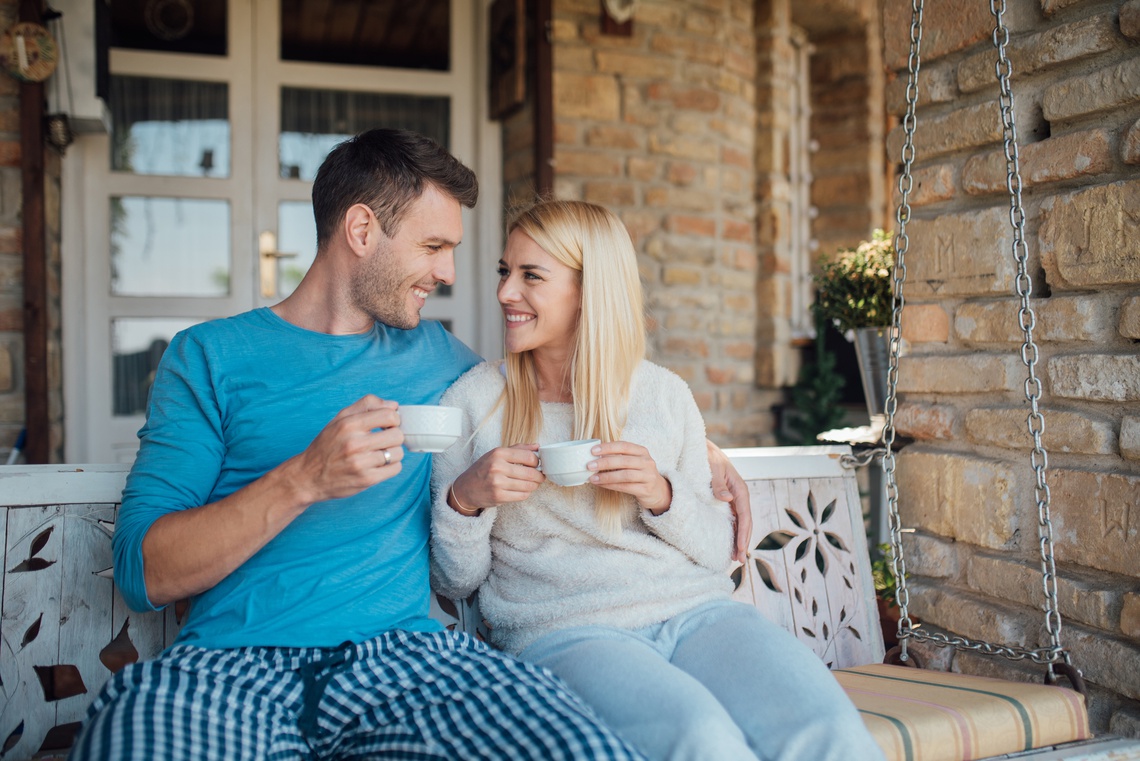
x=268, y=257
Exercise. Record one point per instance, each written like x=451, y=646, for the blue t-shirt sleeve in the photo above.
x=179, y=459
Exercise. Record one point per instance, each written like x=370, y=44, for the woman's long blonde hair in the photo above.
x=610, y=341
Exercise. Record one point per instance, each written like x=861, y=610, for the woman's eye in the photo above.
x=502, y=271
x=532, y=276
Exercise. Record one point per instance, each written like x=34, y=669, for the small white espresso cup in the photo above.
x=565, y=463
x=430, y=428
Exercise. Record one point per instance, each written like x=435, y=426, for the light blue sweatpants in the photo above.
x=718, y=682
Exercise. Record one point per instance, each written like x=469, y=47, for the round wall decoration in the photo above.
x=28, y=52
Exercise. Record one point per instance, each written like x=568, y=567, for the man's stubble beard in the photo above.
x=378, y=291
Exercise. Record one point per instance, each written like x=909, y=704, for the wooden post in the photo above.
x=36, y=417
x=543, y=100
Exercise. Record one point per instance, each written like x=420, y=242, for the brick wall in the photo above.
x=661, y=128
x=966, y=483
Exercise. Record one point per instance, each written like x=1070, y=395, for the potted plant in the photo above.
x=886, y=585
x=854, y=291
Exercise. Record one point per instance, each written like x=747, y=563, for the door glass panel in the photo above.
x=314, y=121
x=400, y=33
x=137, y=344
x=169, y=246
x=170, y=127
x=177, y=26
x=296, y=234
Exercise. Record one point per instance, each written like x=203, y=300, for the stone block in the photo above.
x=969, y=127
x=643, y=169
x=687, y=348
x=947, y=27
x=925, y=323
x=1126, y=722
x=1051, y=8
x=615, y=136
x=1091, y=237
x=1060, y=318
x=1090, y=597
x=1065, y=431
x=586, y=163
x=1095, y=519
x=611, y=193
x=1098, y=377
x=1130, y=615
x=1108, y=88
x=938, y=83
x=1111, y=662
x=925, y=422
x=685, y=224
x=958, y=496
x=679, y=275
x=959, y=374
x=1130, y=438
x=930, y=185
x=964, y=254
x=1130, y=145
x=11, y=274
x=930, y=555
x=631, y=65
x=1130, y=19
x=585, y=96
x=574, y=58
x=1038, y=52
x=1080, y=154
x=697, y=149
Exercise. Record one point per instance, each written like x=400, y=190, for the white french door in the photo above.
x=196, y=204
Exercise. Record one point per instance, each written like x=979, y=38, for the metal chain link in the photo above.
x=1038, y=458
x=1029, y=354
x=902, y=245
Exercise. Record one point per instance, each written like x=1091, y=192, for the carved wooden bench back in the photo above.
x=65, y=627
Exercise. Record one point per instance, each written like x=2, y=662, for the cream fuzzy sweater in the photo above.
x=544, y=564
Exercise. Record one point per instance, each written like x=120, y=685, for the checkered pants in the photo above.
x=402, y=695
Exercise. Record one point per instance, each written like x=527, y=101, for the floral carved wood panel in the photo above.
x=63, y=627
x=808, y=567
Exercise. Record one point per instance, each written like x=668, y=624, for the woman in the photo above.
x=619, y=586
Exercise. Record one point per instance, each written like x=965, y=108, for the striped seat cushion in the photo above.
x=920, y=715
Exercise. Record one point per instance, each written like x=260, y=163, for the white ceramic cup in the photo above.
x=565, y=463
x=430, y=428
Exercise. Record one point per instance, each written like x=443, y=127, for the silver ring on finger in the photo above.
x=387, y=457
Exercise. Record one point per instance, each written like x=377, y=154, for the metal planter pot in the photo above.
x=872, y=348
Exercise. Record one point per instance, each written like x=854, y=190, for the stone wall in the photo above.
x=661, y=127
x=965, y=483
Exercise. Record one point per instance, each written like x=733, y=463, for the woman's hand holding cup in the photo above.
x=630, y=469
x=505, y=474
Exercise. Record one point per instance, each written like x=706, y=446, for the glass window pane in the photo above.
x=399, y=33
x=169, y=247
x=296, y=234
x=313, y=121
x=136, y=346
x=170, y=127
x=176, y=26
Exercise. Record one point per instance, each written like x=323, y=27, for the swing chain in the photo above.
x=1035, y=421
x=907, y=630
x=901, y=245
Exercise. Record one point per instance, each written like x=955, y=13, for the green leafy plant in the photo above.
x=886, y=584
x=854, y=287
x=817, y=394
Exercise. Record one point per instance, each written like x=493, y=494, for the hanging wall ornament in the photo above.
x=28, y=52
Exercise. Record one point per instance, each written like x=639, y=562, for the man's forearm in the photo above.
x=187, y=552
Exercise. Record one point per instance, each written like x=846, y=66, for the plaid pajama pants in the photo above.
x=402, y=695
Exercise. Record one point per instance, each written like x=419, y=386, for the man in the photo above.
x=271, y=488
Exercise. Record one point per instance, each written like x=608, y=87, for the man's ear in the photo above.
x=361, y=229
